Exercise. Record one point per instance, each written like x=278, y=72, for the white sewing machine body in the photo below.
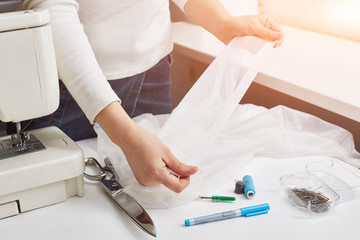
x=37, y=179
x=44, y=166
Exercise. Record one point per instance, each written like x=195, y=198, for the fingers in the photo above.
x=182, y=169
x=178, y=182
x=271, y=31
x=257, y=25
x=178, y=167
x=174, y=183
x=275, y=27
x=269, y=34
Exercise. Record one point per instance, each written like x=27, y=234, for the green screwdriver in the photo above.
x=219, y=198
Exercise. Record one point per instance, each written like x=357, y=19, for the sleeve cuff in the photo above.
x=93, y=105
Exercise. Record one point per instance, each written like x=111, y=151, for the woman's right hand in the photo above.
x=148, y=158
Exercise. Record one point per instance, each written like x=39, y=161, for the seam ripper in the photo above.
x=218, y=198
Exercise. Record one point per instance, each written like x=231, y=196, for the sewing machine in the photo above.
x=44, y=166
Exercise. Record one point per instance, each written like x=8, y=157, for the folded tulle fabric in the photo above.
x=211, y=130
x=204, y=111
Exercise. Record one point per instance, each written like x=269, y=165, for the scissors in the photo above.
x=107, y=177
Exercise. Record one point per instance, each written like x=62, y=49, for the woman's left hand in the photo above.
x=255, y=25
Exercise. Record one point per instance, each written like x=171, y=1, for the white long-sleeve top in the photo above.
x=96, y=41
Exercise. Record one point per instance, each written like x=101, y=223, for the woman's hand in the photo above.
x=213, y=16
x=148, y=158
x=150, y=161
x=254, y=25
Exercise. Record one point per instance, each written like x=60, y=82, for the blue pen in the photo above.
x=241, y=212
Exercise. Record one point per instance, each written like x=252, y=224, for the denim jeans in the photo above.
x=147, y=92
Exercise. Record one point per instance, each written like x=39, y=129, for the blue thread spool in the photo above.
x=249, y=186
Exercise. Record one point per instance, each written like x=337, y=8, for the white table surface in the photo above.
x=320, y=69
x=95, y=216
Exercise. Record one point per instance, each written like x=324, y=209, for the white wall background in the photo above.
x=335, y=17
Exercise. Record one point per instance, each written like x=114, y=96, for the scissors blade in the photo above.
x=135, y=212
